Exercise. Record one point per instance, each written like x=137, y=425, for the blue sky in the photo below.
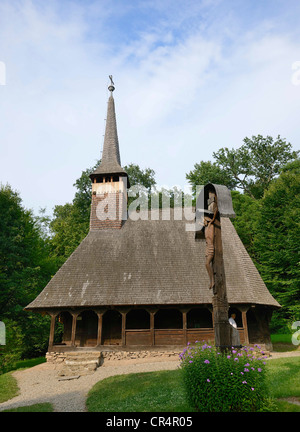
x=191, y=77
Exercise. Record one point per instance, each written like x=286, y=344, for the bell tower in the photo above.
x=109, y=180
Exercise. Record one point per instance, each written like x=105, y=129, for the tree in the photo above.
x=138, y=176
x=25, y=268
x=278, y=241
x=256, y=163
x=210, y=172
x=250, y=168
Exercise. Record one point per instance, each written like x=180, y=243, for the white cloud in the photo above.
x=182, y=91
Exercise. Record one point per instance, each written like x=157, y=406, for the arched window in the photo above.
x=168, y=319
x=137, y=319
x=86, y=328
x=199, y=318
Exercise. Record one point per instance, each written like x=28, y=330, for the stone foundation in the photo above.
x=85, y=362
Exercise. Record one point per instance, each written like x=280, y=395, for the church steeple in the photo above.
x=109, y=180
x=110, y=161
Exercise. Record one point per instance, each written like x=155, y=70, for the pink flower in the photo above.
x=252, y=388
x=208, y=380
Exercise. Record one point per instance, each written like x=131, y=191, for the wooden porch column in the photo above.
x=152, y=328
x=124, y=328
x=99, y=333
x=74, y=321
x=52, y=328
x=184, y=327
x=245, y=325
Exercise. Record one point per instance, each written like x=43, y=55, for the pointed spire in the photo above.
x=110, y=161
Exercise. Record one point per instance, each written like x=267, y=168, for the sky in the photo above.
x=191, y=76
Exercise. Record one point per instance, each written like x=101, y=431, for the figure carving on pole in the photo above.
x=209, y=231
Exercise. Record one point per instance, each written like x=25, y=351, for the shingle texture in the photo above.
x=151, y=262
x=110, y=161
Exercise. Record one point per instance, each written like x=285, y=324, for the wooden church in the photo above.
x=143, y=283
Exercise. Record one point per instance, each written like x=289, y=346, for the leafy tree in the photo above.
x=25, y=268
x=138, y=176
x=256, y=163
x=277, y=241
x=210, y=172
x=247, y=213
x=250, y=168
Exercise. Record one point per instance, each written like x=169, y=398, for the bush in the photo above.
x=222, y=382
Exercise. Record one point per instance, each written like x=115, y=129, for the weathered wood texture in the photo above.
x=220, y=302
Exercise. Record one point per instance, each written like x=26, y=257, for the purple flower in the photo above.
x=236, y=359
x=231, y=373
x=259, y=369
x=247, y=364
x=246, y=370
x=242, y=373
x=206, y=361
x=191, y=361
x=233, y=351
x=252, y=388
x=208, y=380
x=252, y=368
x=244, y=382
x=228, y=356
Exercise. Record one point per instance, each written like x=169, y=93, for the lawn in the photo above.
x=163, y=391
x=8, y=384
x=283, y=342
x=141, y=392
x=8, y=387
x=42, y=407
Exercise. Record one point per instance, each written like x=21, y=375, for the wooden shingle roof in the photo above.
x=151, y=262
x=110, y=160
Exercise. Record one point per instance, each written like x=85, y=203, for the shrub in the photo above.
x=222, y=382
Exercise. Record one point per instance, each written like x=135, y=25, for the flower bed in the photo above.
x=230, y=381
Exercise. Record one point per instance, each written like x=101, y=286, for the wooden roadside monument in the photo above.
x=213, y=203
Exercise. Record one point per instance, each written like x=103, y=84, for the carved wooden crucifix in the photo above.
x=215, y=266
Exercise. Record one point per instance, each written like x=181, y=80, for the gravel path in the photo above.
x=40, y=383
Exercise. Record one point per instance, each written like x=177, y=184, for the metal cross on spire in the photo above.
x=111, y=87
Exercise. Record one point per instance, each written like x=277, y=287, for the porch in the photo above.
x=127, y=327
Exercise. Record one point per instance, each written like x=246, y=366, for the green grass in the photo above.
x=8, y=387
x=284, y=377
x=163, y=391
x=8, y=384
x=283, y=342
x=141, y=392
x=41, y=407
x=22, y=364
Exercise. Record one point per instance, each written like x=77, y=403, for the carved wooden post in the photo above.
x=99, y=333
x=152, y=332
x=52, y=329
x=245, y=325
x=124, y=328
x=220, y=303
x=214, y=202
x=184, y=327
x=74, y=322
